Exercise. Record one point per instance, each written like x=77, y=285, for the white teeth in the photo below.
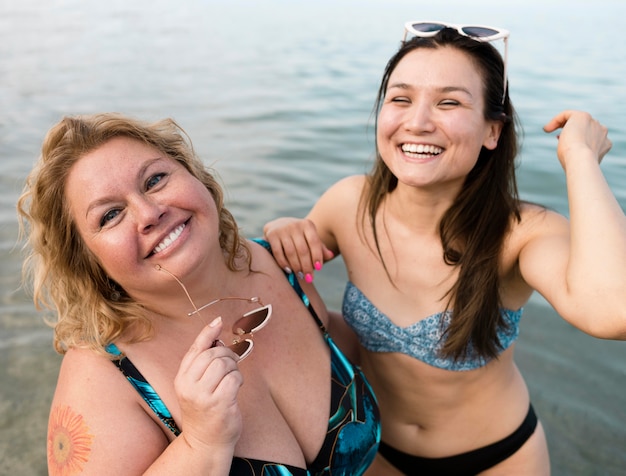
x=171, y=238
x=421, y=149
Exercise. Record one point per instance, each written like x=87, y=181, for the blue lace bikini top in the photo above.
x=353, y=431
x=422, y=340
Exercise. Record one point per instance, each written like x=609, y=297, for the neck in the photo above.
x=177, y=293
x=417, y=208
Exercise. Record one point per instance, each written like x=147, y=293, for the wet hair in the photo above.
x=91, y=309
x=473, y=229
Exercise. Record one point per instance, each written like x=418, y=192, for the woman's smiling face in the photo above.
x=134, y=207
x=431, y=125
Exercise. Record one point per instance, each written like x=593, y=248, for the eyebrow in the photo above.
x=106, y=199
x=444, y=89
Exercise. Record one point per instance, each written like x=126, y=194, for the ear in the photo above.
x=492, y=135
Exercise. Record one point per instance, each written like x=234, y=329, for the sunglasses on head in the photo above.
x=243, y=329
x=426, y=29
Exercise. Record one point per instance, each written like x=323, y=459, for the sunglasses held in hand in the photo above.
x=243, y=329
x=426, y=29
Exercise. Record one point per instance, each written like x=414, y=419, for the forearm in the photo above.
x=181, y=458
x=597, y=263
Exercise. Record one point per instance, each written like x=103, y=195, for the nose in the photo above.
x=420, y=118
x=148, y=213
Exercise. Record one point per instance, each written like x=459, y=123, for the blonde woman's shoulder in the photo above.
x=96, y=416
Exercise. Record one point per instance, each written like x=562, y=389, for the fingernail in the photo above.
x=332, y=255
x=300, y=275
x=318, y=265
x=287, y=270
x=215, y=321
x=308, y=278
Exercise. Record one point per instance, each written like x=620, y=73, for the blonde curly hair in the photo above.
x=63, y=275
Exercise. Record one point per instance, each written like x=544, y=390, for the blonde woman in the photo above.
x=187, y=350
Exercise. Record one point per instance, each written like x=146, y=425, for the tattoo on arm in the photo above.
x=69, y=442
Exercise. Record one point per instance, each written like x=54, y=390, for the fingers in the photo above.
x=283, y=234
x=203, y=341
x=207, y=384
x=558, y=121
x=309, y=250
x=204, y=362
x=203, y=352
x=580, y=132
x=296, y=246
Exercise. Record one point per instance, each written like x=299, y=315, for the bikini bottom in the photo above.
x=464, y=464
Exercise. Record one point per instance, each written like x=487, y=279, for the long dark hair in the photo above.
x=473, y=229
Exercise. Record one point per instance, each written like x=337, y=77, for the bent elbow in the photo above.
x=611, y=327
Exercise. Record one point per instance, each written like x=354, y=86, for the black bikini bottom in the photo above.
x=464, y=464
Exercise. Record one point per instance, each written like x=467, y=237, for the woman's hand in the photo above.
x=207, y=385
x=580, y=132
x=296, y=246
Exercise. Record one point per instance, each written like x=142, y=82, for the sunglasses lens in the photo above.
x=479, y=31
x=253, y=321
x=242, y=349
x=427, y=27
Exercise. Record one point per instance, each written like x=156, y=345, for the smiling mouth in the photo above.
x=421, y=150
x=169, y=239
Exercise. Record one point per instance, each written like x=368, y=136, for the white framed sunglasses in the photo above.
x=243, y=329
x=426, y=29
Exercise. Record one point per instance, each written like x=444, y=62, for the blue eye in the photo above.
x=108, y=216
x=154, y=180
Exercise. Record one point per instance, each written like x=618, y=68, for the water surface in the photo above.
x=277, y=95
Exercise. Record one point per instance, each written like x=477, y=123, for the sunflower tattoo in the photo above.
x=69, y=442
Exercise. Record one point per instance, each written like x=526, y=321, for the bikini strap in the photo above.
x=293, y=281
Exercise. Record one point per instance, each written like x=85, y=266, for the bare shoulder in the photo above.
x=96, y=422
x=83, y=371
x=352, y=184
x=346, y=190
x=263, y=261
x=340, y=200
x=536, y=222
x=539, y=242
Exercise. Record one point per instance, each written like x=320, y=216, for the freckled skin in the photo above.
x=69, y=442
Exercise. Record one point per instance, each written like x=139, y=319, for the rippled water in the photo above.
x=277, y=95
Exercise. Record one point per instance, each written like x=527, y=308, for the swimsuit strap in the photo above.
x=291, y=277
x=142, y=386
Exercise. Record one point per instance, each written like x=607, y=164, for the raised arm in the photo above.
x=580, y=266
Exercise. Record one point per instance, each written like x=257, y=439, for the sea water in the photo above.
x=277, y=96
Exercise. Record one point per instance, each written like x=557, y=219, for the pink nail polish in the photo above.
x=308, y=278
x=318, y=265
